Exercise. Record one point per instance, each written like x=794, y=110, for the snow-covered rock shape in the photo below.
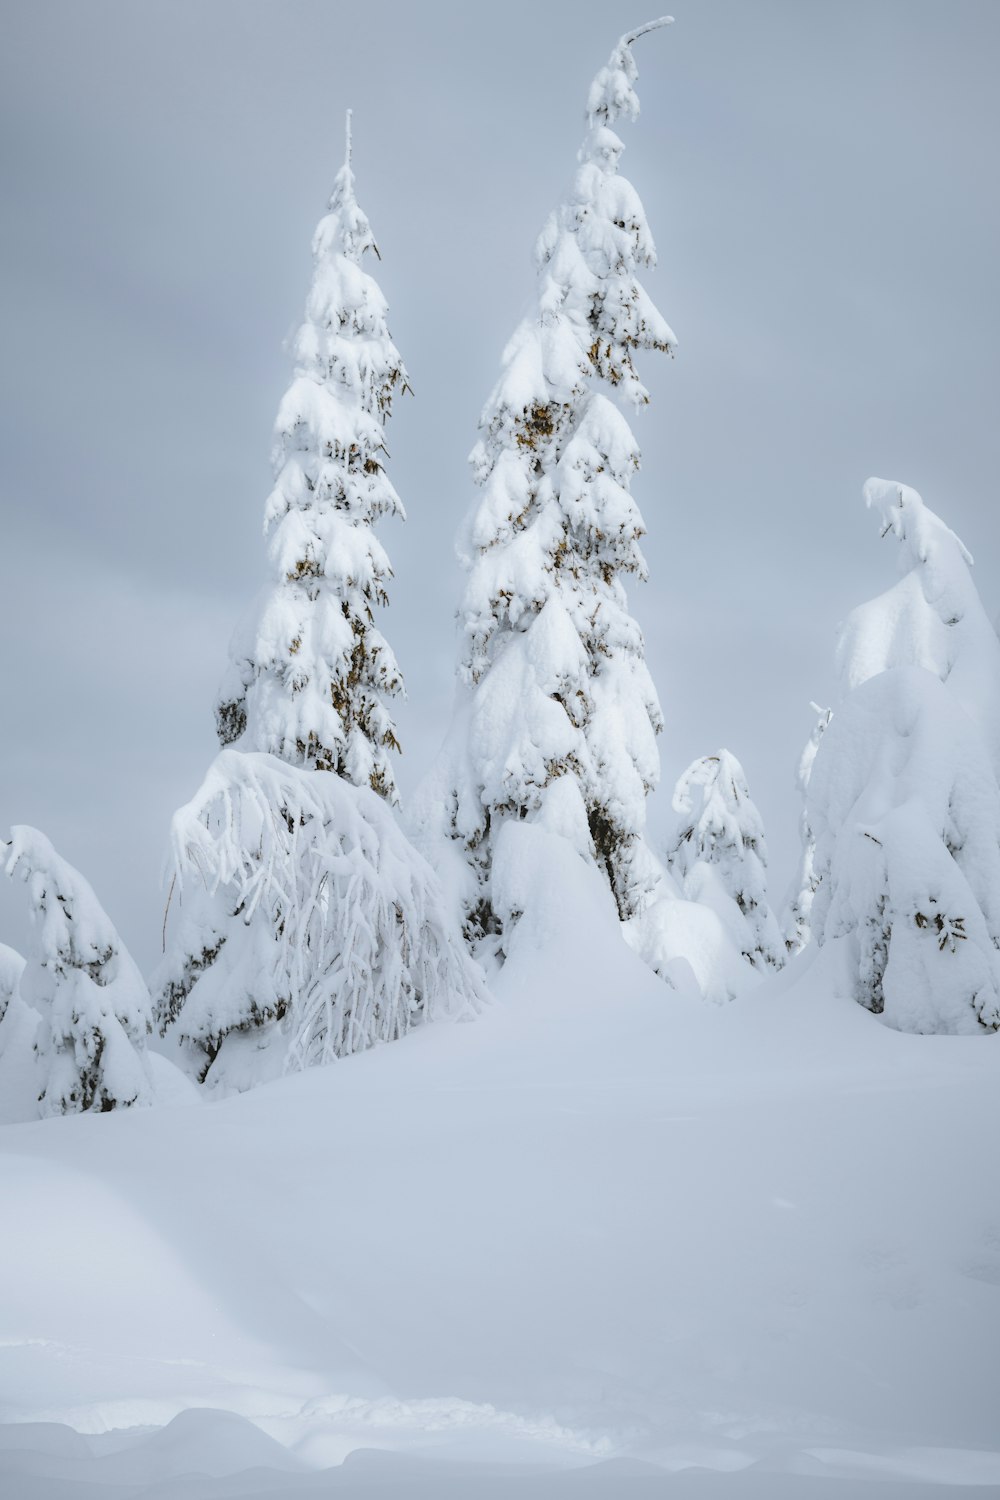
x=310, y=928
x=797, y=918
x=719, y=857
x=310, y=670
x=906, y=814
x=931, y=618
x=556, y=693
x=689, y=946
x=92, y=1000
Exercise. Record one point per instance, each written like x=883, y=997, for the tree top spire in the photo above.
x=348, y=139
x=611, y=93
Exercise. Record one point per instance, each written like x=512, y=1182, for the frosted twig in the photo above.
x=166, y=909
x=633, y=36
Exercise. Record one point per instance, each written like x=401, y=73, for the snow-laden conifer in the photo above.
x=93, y=1003
x=557, y=691
x=311, y=670
x=303, y=925
x=797, y=920
x=906, y=813
x=932, y=617
x=719, y=857
x=339, y=938
x=11, y=969
x=902, y=797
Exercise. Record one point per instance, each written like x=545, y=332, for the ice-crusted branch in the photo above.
x=798, y=907
x=633, y=36
x=905, y=516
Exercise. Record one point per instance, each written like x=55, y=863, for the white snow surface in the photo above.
x=603, y=1239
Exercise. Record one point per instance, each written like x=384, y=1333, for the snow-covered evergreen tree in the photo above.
x=93, y=1003
x=559, y=716
x=11, y=969
x=906, y=813
x=902, y=797
x=340, y=936
x=797, y=922
x=931, y=618
x=719, y=857
x=305, y=926
x=310, y=670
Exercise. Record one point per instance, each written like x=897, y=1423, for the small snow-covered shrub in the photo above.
x=689, y=946
x=311, y=928
x=93, y=1003
x=719, y=857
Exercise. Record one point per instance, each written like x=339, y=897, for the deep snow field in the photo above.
x=601, y=1241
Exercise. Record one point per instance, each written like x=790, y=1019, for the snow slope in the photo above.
x=600, y=1233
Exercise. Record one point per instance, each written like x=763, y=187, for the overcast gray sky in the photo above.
x=821, y=183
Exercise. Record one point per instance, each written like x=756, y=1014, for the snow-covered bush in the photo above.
x=932, y=617
x=310, y=670
x=93, y=1004
x=719, y=857
x=556, y=689
x=902, y=797
x=797, y=917
x=19, y=1025
x=690, y=946
x=310, y=926
x=11, y=969
x=906, y=814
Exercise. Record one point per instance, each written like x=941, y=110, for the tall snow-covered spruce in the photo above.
x=558, y=719
x=308, y=927
x=310, y=670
